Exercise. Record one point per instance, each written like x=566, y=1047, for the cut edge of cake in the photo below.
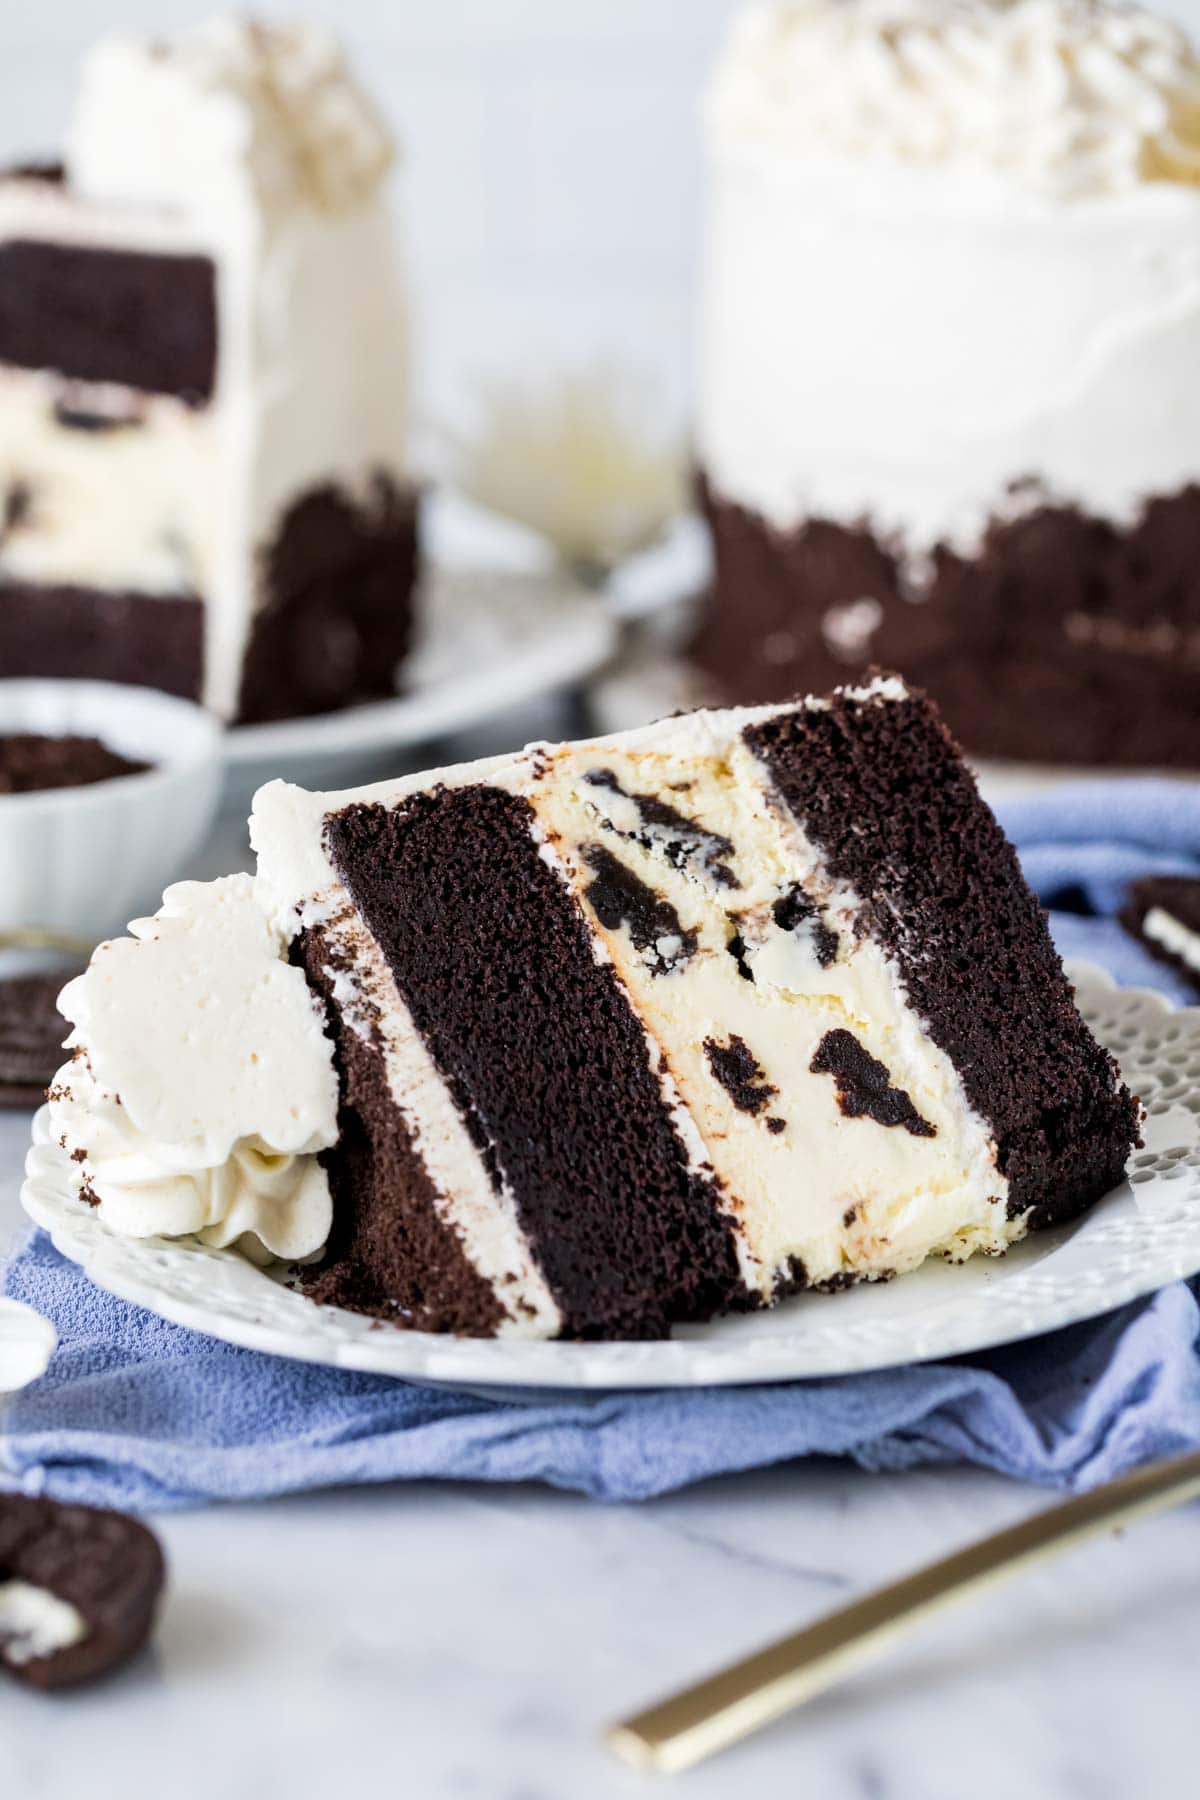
x=204, y=474
x=638, y=1031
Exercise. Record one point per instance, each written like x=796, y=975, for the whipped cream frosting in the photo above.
x=157, y=123
x=202, y=1086
x=1068, y=96
x=897, y=329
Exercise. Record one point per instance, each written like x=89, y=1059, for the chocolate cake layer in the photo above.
x=338, y=616
x=98, y=635
x=1066, y=639
x=389, y=1253
x=122, y=316
x=881, y=792
x=546, y=1061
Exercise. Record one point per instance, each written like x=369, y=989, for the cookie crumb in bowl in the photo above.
x=31, y=762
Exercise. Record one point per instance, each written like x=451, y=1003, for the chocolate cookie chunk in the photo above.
x=78, y=1589
x=31, y=1036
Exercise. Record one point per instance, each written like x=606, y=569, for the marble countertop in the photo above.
x=459, y=1641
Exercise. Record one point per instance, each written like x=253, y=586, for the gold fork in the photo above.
x=737, y=1700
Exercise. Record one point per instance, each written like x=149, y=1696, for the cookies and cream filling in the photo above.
x=753, y=964
x=105, y=488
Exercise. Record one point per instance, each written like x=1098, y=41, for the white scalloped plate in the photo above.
x=1139, y=1237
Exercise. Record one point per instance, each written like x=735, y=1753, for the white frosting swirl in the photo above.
x=203, y=1083
x=275, y=100
x=1071, y=97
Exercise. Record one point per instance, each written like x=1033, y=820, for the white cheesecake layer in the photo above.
x=803, y=1181
x=127, y=506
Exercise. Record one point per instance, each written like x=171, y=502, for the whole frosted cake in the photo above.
x=597, y=1038
x=949, y=389
x=203, y=384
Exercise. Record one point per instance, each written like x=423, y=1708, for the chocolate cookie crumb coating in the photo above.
x=30, y=762
x=1065, y=638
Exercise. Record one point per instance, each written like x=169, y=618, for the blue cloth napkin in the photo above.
x=138, y=1413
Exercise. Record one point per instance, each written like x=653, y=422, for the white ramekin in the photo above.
x=83, y=861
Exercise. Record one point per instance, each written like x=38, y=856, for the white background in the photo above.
x=551, y=184
x=549, y=190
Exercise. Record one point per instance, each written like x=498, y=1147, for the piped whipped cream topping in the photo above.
x=275, y=100
x=203, y=1085
x=1075, y=97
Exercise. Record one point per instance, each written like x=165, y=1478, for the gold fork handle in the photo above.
x=701, y=1720
x=45, y=937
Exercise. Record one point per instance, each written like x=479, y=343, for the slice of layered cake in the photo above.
x=601, y=1037
x=202, y=382
x=949, y=381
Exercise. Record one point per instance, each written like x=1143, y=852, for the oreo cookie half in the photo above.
x=78, y=1590
x=31, y=1035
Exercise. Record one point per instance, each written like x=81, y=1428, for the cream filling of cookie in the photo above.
x=739, y=955
x=1164, y=928
x=35, y=1623
x=104, y=488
